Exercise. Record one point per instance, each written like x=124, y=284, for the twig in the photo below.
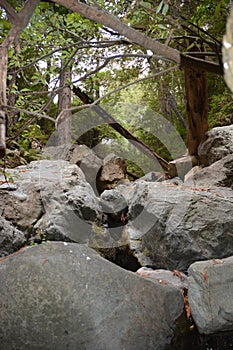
x=76, y=108
x=20, y=110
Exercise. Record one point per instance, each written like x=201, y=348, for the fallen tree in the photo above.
x=170, y=169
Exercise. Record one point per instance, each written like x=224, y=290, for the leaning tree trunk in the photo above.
x=197, y=107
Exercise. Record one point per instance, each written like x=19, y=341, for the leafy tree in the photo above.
x=103, y=46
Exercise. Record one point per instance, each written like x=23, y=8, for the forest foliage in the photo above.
x=102, y=63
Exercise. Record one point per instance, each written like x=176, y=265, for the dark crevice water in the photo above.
x=196, y=341
x=121, y=256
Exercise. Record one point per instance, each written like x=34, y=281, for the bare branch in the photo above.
x=24, y=127
x=76, y=108
x=114, y=23
x=20, y=110
x=100, y=44
x=166, y=71
x=139, y=144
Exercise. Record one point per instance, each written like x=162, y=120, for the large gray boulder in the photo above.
x=11, y=239
x=65, y=296
x=218, y=144
x=172, y=226
x=52, y=199
x=210, y=295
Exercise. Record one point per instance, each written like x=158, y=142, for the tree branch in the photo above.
x=101, y=44
x=24, y=16
x=20, y=110
x=166, y=71
x=114, y=23
x=170, y=169
x=14, y=17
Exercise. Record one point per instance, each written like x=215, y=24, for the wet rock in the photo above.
x=114, y=204
x=152, y=177
x=210, y=295
x=183, y=165
x=64, y=295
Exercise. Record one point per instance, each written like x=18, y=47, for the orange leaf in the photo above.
x=205, y=276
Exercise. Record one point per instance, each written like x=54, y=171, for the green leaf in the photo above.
x=165, y=9
x=147, y=4
x=159, y=8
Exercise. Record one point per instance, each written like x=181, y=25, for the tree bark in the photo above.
x=194, y=68
x=170, y=169
x=64, y=103
x=3, y=73
x=20, y=21
x=197, y=107
x=137, y=37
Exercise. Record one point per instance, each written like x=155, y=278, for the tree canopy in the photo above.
x=165, y=55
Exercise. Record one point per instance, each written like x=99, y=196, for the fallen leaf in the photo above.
x=186, y=304
x=205, y=276
x=178, y=274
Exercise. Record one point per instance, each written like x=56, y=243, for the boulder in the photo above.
x=218, y=144
x=172, y=226
x=210, y=295
x=53, y=199
x=87, y=160
x=114, y=204
x=152, y=176
x=11, y=239
x=57, y=152
x=217, y=174
x=183, y=165
x=61, y=295
x=112, y=171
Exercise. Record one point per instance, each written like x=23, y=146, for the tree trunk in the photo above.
x=3, y=73
x=64, y=103
x=197, y=107
x=169, y=168
x=137, y=37
x=19, y=22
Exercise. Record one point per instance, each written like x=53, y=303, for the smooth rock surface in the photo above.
x=211, y=295
x=65, y=296
x=172, y=226
x=218, y=144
